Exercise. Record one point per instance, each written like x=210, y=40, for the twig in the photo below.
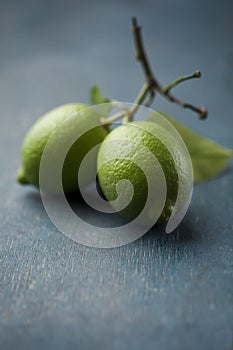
x=179, y=80
x=141, y=55
x=152, y=82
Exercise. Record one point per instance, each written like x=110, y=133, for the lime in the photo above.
x=60, y=124
x=112, y=168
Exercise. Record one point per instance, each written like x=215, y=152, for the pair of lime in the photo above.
x=111, y=168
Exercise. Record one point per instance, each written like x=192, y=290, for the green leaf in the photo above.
x=208, y=158
x=96, y=96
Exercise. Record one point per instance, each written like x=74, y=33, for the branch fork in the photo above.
x=152, y=84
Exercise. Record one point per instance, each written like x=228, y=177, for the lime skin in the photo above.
x=58, y=125
x=110, y=171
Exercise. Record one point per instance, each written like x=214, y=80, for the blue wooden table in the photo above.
x=162, y=291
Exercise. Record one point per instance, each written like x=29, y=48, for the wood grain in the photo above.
x=162, y=291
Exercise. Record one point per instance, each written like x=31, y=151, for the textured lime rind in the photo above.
x=110, y=172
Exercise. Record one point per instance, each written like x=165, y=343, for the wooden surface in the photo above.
x=162, y=291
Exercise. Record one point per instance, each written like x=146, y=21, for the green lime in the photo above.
x=60, y=124
x=112, y=168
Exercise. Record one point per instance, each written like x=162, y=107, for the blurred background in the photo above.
x=160, y=292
